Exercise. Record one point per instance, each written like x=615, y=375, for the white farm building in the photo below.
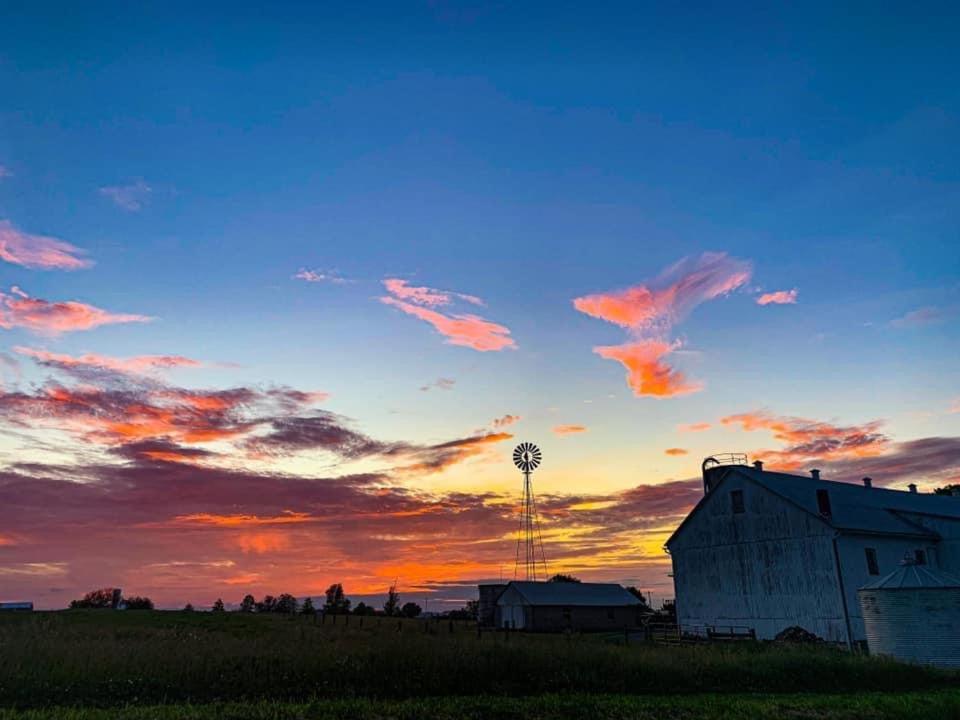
x=767, y=550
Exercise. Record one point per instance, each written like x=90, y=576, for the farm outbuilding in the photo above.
x=765, y=551
x=559, y=606
x=913, y=614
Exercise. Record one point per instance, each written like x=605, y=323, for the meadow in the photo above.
x=143, y=664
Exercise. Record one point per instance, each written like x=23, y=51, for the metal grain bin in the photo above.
x=913, y=614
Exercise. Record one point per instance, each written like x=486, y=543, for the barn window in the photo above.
x=920, y=557
x=823, y=503
x=872, y=566
x=736, y=501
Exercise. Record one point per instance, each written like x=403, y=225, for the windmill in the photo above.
x=527, y=456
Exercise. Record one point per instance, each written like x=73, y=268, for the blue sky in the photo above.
x=202, y=156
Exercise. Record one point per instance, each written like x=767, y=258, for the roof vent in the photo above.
x=815, y=474
x=868, y=482
x=913, y=488
x=758, y=464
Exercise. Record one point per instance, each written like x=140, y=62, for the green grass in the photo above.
x=873, y=706
x=110, y=660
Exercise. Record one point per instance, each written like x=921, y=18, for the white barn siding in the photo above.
x=768, y=568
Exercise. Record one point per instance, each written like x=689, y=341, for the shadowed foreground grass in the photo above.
x=875, y=706
x=270, y=663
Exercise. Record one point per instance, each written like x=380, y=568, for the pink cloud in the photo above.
x=676, y=451
x=52, y=318
x=649, y=312
x=780, y=297
x=569, y=429
x=38, y=251
x=694, y=427
x=320, y=276
x=647, y=373
x=138, y=364
x=426, y=296
x=465, y=330
x=506, y=421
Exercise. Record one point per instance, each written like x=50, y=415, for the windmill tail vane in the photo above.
x=527, y=457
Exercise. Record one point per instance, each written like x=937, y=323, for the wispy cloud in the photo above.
x=131, y=197
x=43, y=317
x=138, y=364
x=919, y=317
x=568, y=429
x=38, y=251
x=780, y=297
x=321, y=276
x=439, y=384
x=5, y=172
x=694, y=427
x=506, y=421
x=650, y=310
x=676, y=451
x=466, y=330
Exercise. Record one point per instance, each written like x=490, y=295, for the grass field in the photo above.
x=178, y=665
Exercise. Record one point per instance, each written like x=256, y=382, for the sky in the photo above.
x=281, y=288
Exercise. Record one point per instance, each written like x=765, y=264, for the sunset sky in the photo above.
x=281, y=288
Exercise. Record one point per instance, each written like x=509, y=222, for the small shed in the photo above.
x=558, y=606
x=913, y=614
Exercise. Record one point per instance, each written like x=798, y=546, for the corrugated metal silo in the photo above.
x=913, y=614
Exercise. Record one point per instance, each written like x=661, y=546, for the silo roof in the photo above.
x=911, y=577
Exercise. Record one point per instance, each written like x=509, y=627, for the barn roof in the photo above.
x=578, y=594
x=854, y=507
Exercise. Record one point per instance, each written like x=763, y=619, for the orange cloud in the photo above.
x=676, y=451
x=650, y=310
x=429, y=297
x=38, y=251
x=694, y=427
x=506, y=421
x=264, y=542
x=647, y=373
x=466, y=330
x=288, y=517
x=569, y=429
x=138, y=364
x=53, y=318
x=780, y=297
x=811, y=440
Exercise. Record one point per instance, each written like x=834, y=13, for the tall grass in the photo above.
x=109, y=658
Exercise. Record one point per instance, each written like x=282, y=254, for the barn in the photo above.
x=559, y=606
x=765, y=551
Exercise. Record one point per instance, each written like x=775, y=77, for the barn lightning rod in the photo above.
x=527, y=456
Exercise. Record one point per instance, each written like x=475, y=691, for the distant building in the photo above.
x=558, y=606
x=768, y=550
x=16, y=606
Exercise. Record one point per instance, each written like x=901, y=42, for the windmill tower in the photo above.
x=526, y=456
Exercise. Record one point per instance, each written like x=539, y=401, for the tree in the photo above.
x=102, y=598
x=363, y=609
x=392, y=606
x=560, y=577
x=638, y=594
x=469, y=612
x=307, y=608
x=248, y=604
x=947, y=489
x=268, y=604
x=286, y=603
x=218, y=605
x=188, y=607
x=135, y=602
x=410, y=610
x=337, y=603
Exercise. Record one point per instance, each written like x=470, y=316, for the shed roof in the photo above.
x=567, y=593
x=910, y=576
x=854, y=507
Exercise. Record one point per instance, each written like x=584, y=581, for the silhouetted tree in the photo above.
x=469, y=612
x=188, y=608
x=248, y=604
x=135, y=602
x=410, y=610
x=307, y=608
x=638, y=594
x=268, y=604
x=392, y=606
x=947, y=489
x=560, y=577
x=668, y=611
x=218, y=605
x=286, y=603
x=363, y=609
x=337, y=603
x=103, y=598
